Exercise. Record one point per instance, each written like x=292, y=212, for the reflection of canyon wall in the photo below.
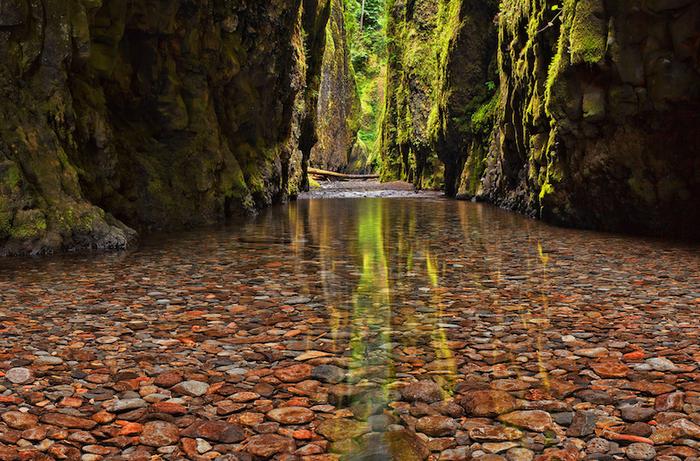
x=150, y=114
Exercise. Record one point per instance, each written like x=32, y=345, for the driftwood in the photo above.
x=340, y=176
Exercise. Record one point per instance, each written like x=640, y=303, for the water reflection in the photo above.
x=381, y=281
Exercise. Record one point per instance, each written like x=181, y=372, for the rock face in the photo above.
x=122, y=115
x=338, y=101
x=439, y=56
x=585, y=114
x=598, y=115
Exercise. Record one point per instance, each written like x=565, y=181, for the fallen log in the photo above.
x=340, y=176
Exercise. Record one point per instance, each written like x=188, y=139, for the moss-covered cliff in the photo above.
x=440, y=53
x=599, y=114
x=583, y=112
x=150, y=114
x=338, y=101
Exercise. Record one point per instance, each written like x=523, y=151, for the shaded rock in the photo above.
x=399, y=445
x=636, y=413
x=422, y=391
x=340, y=429
x=487, y=403
x=328, y=374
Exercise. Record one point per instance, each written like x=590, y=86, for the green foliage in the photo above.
x=368, y=53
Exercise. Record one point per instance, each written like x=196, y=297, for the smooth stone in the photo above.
x=661, y=364
x=19, y=375
x=488, y=403
x=268, y=445
x=337, y=429
x=533, y=420
x=127, y=404
x=328, y=374
x=437, y=426
x=422, y=391
x=520, y=454
x=48, y=360
x=291, y=415
x=191, y=388
x=19, y=420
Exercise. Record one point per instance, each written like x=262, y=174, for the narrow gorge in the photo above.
x=123, y=116
x=349, y=230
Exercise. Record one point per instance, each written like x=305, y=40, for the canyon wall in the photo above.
x=441, y=56
x=582, y=112
x=598, y=115
x=338, y=101
x=126, y=115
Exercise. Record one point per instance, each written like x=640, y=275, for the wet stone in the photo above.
x=294, y=373
x=487, y=403
x=159, y=434
x=191, y=388
x=408, y=340
x=328, y=374
x=291, y=415
x=19, y=420
x=583, y=424
x=636, y=413
x=640, y=451
x=437, y=426
x=534, y=420
x=422, y=391
x=19, y=375
x=341, y=429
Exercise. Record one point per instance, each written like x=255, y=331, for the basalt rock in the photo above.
x=583, y=113
x=122, y=115
x=598, y=115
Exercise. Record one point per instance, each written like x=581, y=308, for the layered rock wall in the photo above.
x=599, y=114
x=582, y=112
x=150, y=114
x=440, y=53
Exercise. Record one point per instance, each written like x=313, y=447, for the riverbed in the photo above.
x=399, y=326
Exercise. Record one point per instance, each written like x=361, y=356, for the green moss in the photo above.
x=28, y=225
x=588, y=36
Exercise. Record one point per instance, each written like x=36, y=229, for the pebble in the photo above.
x=640, y=451
x=191, y=388
x=291, y=415
x=19, y=375
x=159, y=434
